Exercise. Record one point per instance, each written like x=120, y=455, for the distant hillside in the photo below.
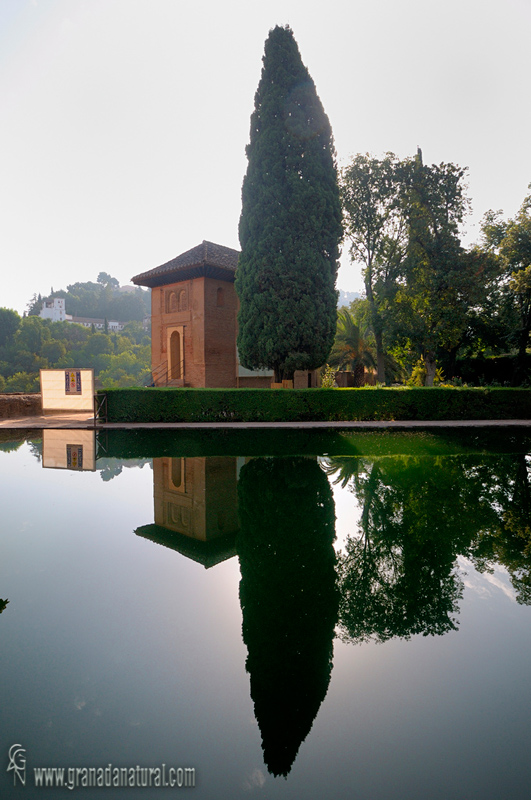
x=103, y=300
x=346, y=298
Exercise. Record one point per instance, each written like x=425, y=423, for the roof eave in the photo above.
x=179, y=274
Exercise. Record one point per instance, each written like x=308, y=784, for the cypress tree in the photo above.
x=290, y=225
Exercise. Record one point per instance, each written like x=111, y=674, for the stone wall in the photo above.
x=20, y=405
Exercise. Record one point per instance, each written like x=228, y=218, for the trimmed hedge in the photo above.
x=307, y=405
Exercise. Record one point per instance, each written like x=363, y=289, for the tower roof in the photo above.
x=207, y=260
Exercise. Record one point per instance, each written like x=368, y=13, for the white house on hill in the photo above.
x=55, y=310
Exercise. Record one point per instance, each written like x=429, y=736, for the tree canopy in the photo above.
x=426, y=296
x=376, y=229
x=510, y=242
x=290, y=225
x=118, y=359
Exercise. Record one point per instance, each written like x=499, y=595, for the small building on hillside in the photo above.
x=194, y=310
x=54, y=309
x=113, y=325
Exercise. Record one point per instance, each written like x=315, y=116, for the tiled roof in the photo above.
x=207, y=259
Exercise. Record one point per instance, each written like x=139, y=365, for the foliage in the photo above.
x=349, y=350
x=418, y=375
x=256, y=405
x=433, y=302
x=375, y=226
x=328, y=377
x=9, y=323
x=106, y=280
x=510, y=242
x=425, y=295
x=492, y=370
x=290, y=225
x=22, y=382
x=120, y=359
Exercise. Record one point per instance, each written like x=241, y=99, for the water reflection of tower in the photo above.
x=284, y=511
x=196, y=507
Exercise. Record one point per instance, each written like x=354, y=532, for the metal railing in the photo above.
x=160, y=376
x=100, y=408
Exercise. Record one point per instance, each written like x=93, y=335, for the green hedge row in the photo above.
x=306, y=405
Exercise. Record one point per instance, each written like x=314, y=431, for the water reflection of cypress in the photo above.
x=3, y=605
x=288, y=596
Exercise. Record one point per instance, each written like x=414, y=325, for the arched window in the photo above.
x=182, y=300
x=177, y=473
x=220, y=299
x=171, y=302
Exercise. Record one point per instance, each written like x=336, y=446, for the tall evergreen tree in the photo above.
x=290, y=225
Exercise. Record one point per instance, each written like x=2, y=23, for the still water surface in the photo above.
x=294, y=617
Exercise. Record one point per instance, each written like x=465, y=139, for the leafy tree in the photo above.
x=433, y=301
x=34, y=306
x=375, y=225
x=39, y=343
x=23, y=382
x=9, y=324
x=53, y=351
x=290, y=225
x=511, y=242
x=425, y=293
x=32, y=333
x=126, y=369
x=136, y=333
x=349, y=350
x=98, y=343
x=71, y=334
x=106, y=280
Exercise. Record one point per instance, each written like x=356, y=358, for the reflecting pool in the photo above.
x=267, y=614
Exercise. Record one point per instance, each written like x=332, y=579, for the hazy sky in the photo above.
x=123, y=123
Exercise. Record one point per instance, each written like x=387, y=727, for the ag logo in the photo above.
x=17, y=763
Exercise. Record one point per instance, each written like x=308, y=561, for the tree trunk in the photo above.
x=380, y=362
x=377, y=330
x=519, y=373
x=282, y=374
x=431, y=368
x=359, y=375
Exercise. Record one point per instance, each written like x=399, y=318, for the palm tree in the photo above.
x=350, y=351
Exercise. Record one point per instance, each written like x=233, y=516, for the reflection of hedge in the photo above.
x=268, y=405
x=199, y=442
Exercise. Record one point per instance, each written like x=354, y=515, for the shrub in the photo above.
x=342, y=405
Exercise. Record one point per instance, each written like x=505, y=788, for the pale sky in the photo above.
x=123, y=123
